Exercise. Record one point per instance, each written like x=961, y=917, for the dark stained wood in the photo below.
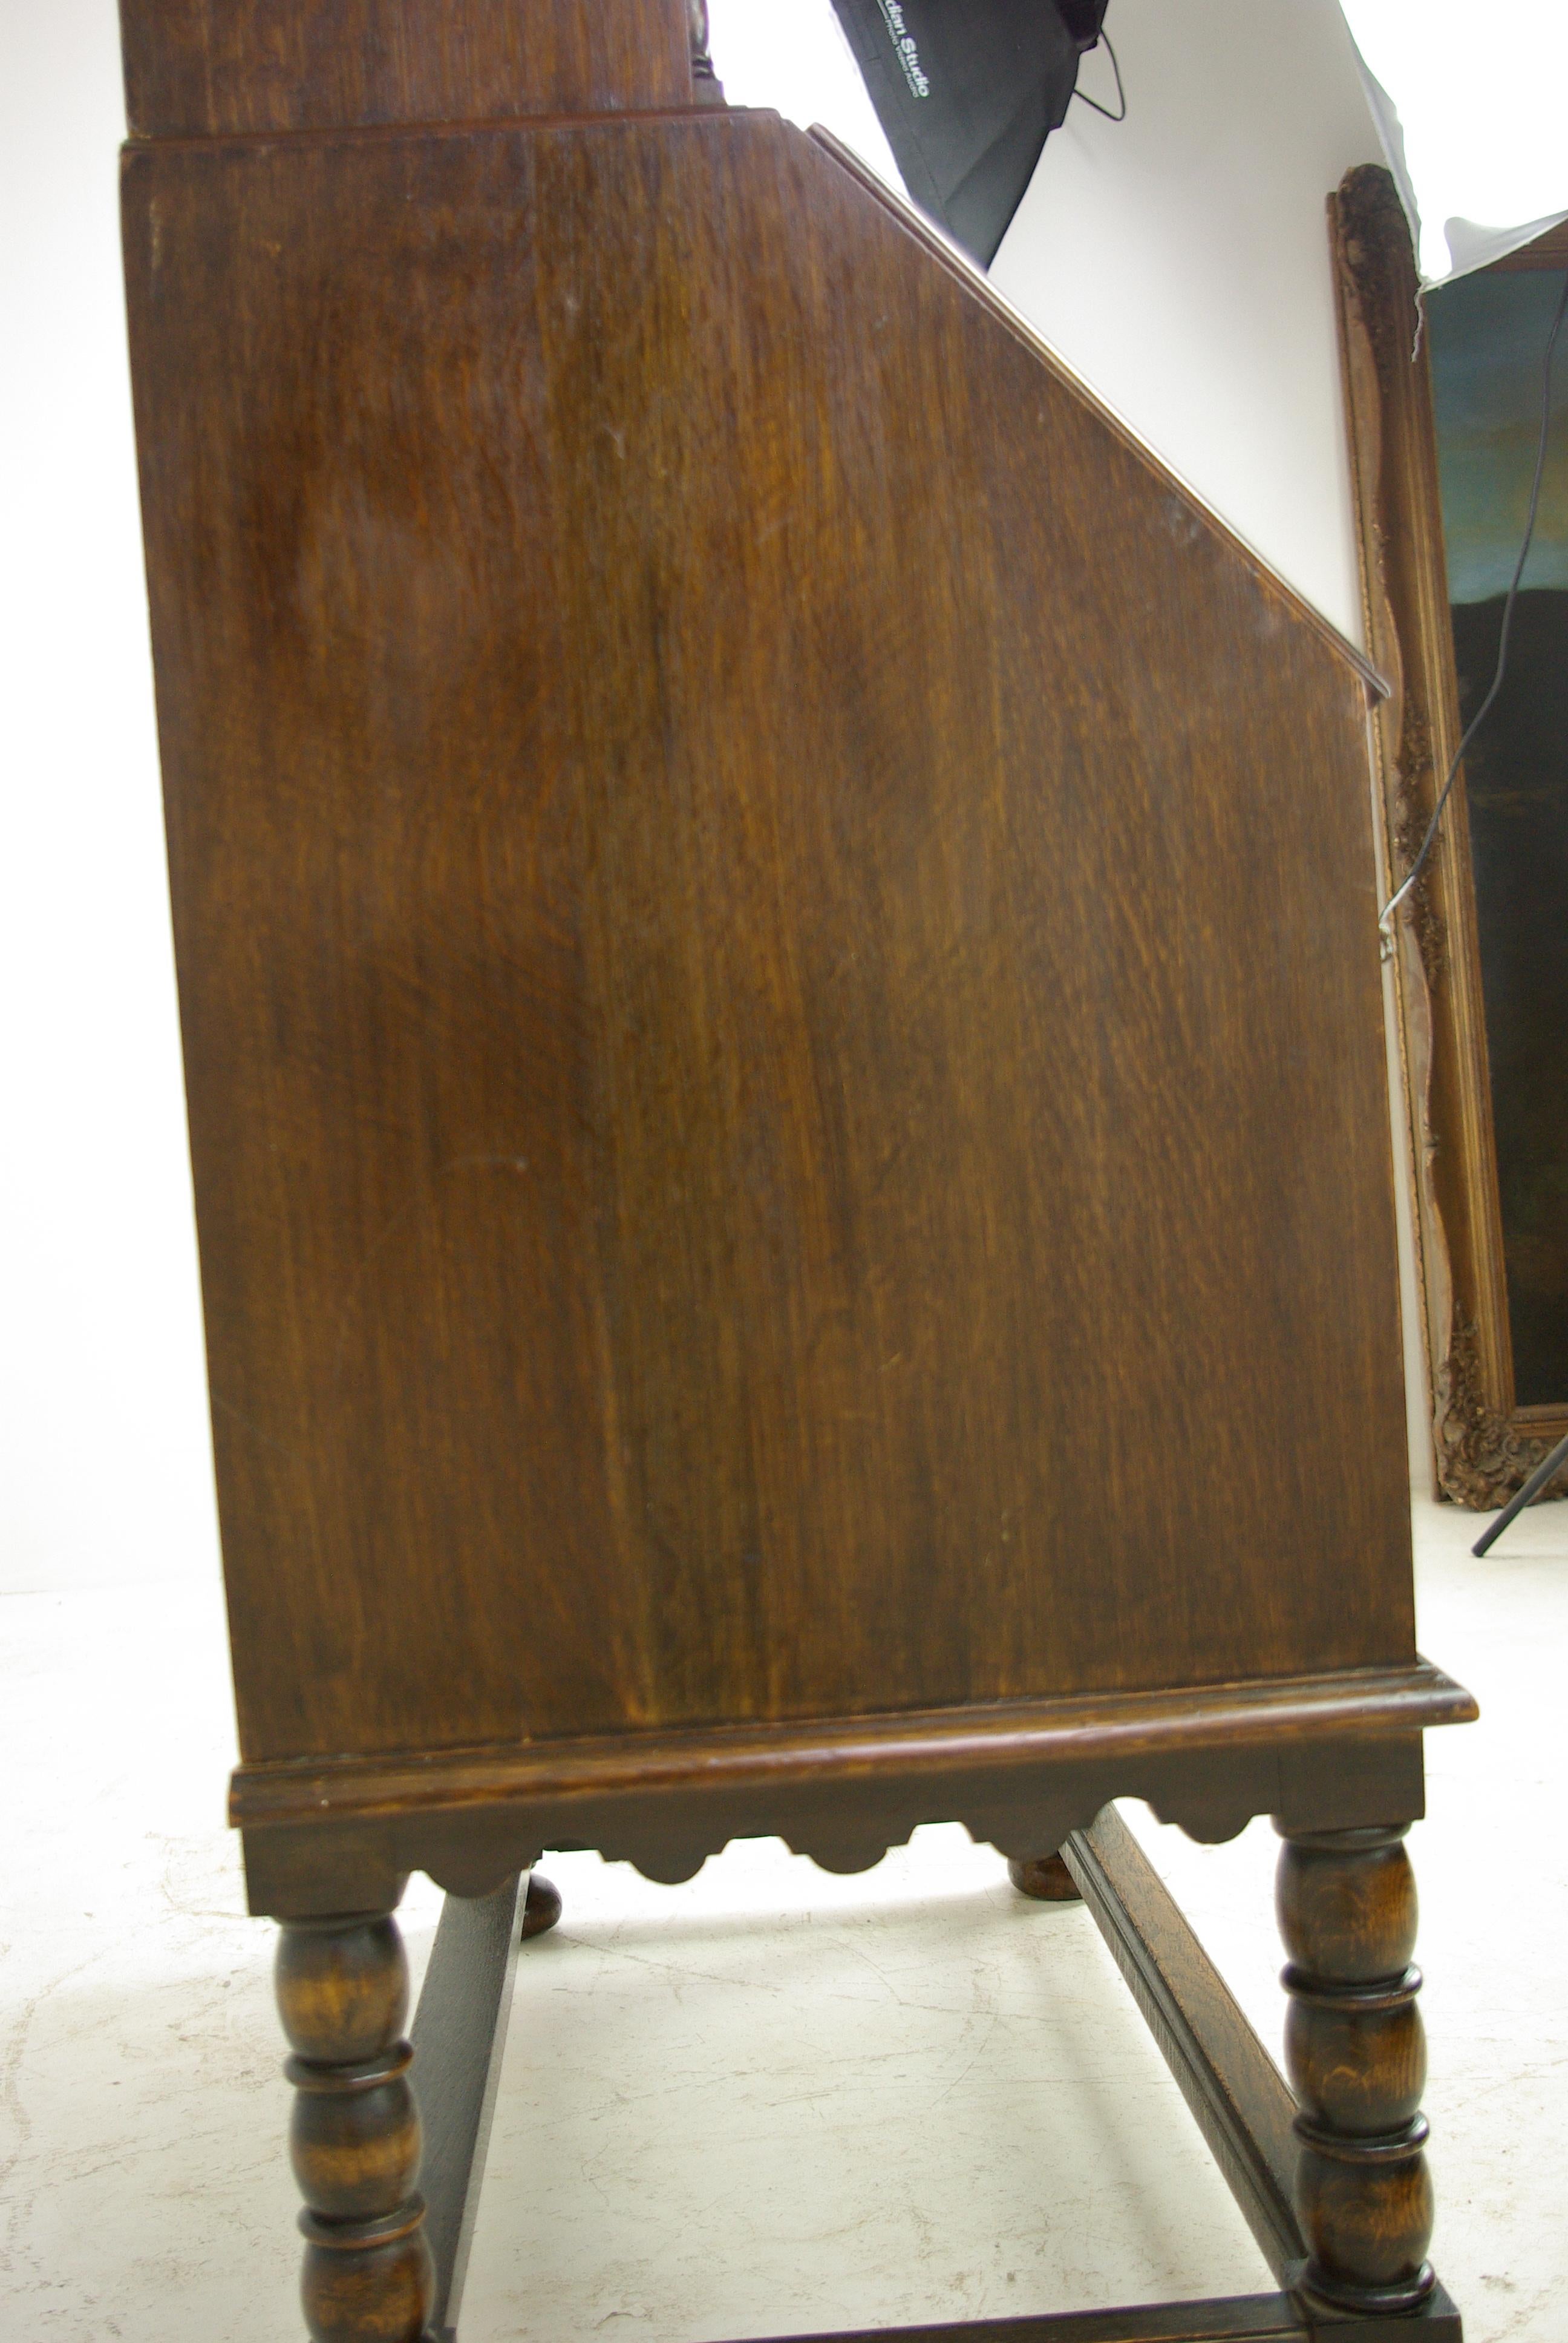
x=1046, y=1879
x=1295, y=1713
x=1243, y=2319
x=342, y=1988
x=1357, y=2058
x=843, y=1795
x=1484, y=1446
x=844, y=1822
x=757, y=1155
x=1241, y=2101
x=460, y=2038
x=211, y=69
x=355, y=2140
x=980, y=290
x=1434, y=2320
x=1347, y=1905
x=785, y=1058
x=541, y=1908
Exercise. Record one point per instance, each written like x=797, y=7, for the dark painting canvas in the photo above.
x=1489, y=335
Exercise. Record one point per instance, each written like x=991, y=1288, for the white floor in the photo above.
x=769, y=2102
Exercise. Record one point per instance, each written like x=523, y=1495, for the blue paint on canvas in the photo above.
x=1487, y=342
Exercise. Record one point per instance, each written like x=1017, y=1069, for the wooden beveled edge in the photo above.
x=1242, y=2318
x=1080, y=1729
x=1236, y=2318
x=979, y=284
x=384, y=134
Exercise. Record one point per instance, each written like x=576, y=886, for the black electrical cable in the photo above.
x=1104, y=43
x=1547, y=1470
x=1473, y=727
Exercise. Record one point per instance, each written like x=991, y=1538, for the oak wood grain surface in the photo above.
x=1240, y=2319
x=1364, y=1707
x=469, y=1826
x=212, y=68
x=777, y=940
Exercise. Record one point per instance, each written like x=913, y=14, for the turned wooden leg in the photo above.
x=541, y=1908
x=1045, y=1877
x=1356, y=2056
x=343, y=1994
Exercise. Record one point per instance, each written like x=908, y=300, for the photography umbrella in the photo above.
x=968, y=91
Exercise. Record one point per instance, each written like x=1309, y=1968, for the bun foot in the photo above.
x=541, y=1908
x=1045, y=1877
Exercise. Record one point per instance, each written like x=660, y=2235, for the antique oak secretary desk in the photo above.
x=777, y=960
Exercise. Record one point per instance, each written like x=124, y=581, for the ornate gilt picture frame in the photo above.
x=1484, y=1443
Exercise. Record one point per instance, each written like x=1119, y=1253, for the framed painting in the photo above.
x=1444, y=400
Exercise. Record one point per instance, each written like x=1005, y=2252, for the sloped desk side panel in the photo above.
x=777, y=955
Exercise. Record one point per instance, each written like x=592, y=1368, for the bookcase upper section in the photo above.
x=223, y=68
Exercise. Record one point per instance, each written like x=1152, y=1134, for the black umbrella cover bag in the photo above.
x=967, y=92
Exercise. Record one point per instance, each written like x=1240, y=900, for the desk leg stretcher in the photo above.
x=1330, y=2175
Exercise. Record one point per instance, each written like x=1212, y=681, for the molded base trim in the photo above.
x=1073, y=1727
x=1324, y=1752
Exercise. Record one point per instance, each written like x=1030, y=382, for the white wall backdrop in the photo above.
x=1178, y=260
x=104, y=1461
x=1468, y=103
